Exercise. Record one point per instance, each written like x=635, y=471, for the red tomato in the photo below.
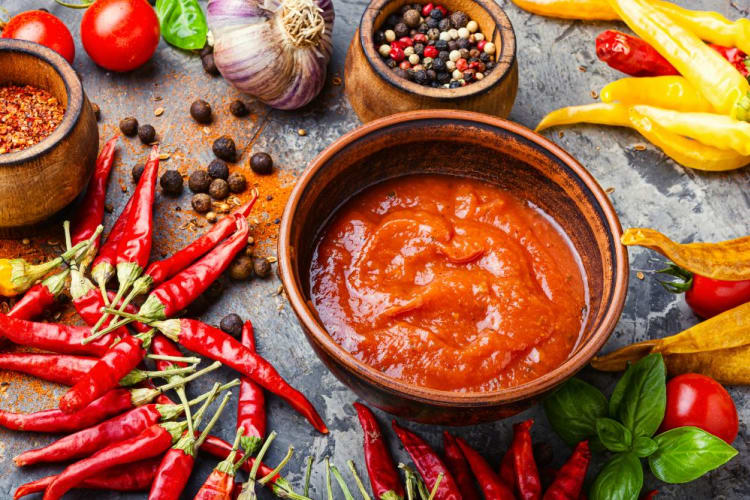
x=708, y=297
x=43, y=28
x=700, y=401
x=120, y=35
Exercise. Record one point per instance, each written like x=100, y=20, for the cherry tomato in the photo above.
x=708, y=297
x=700, y=401
x=120, y=35
x=43, y=28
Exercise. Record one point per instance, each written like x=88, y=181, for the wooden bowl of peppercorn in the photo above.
x=40, y=180
x=375, y=90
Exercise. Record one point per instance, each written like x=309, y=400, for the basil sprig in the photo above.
x=182, y=23
x=626, y=426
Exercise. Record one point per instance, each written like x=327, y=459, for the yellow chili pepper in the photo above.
x=712, y=75
x=720, y=131
x=726, y=366
x=709, y=26
x=726, y=260
x=600, y=113
x=570, y=9
x=671, y=92
x=687, y=152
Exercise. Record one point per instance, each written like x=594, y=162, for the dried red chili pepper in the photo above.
x=135, y=477
x=63, y=369
x=384, y=477
x=508, y=469
x=459, y=467
x=568, y=482
x=428, y=463
x=527, y=476
x=491, y=484
x=103, y=267
x=91, y=211
x=40, y=297
x=106, y=374
x=217, y=345
x=251, y=404
x=53, y=337
x=148, y=444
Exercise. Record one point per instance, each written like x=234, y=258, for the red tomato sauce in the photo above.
x=449, y=283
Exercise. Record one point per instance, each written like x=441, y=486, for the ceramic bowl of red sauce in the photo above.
x=451, y=267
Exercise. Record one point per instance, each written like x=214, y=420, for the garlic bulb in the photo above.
x=275, y=50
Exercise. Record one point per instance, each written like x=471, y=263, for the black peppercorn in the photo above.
x=432, y=24
x=137, y=172
x=232, y=325
x=489, y=66
x=171, y=183
x=438, y=64
x=209, y=66
x=147, y=134
x=401, y=30
x=405, y=8
x=241, y=268
x=261, y=163
x=434, y=84
x=199, y=181
x=459, y=19
x=412, y=18
x=201, y=203
x=391, y=63
x=401, y=73
x=224, y=148
x=431, y=75
x=463, y=43
x=422, y=28
x=419, y=49
x=237, y=182
x=392, y=20
x=380, y=38
x=455, y=84
x=238, y=108
x=420, y=77
x=436, y=14
x=219, y=189
x=129, y=126
x=452, y=45
x=444, y=24
x=444, y=77
x=444, y=55
x=485, y=57
x=441, y=45
x=262, y=267
x=200, y=110
x=217, y=169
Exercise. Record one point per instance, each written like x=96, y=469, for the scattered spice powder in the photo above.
x=27, y=115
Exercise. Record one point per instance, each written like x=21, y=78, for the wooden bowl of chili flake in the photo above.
x=48, y=135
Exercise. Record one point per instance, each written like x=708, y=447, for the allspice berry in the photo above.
x=262, y=267
x=231, y=324
x=199, y=181
x=129, y=126
x=237, y=182
x=241, y=268
x=224, y=148
x=201, y=203
x=209, y=66
x=171, y=183
x=219, y=189
x=200, y=110
x=217, y=169
x=261, y=163
x=238, y=108
x=147, y=134
x=137, y=172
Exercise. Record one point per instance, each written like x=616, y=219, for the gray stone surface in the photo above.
x=649, y=190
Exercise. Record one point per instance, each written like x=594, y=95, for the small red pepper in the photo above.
x=91, y=211
x=384, y=477
x=508, y=469
x=162, y=345
x=103, y=267
x=220, y=483
x=251, y=403
x=106, y=374
x=428, y=464
x=65, y=369
x=40, y=297
x=135, y=477
x=89, y=303
x=148, y=444
x=459, y=467
x=53, y=337
x=492, y=486
x=527, y=476
x=568, y=482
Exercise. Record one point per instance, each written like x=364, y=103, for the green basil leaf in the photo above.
x=644, y=446
x=620, y=479
x=572, y=410
x=643, y=396
x=616, y=398
x=182, y=23
x=613, y=435
x=686, y=453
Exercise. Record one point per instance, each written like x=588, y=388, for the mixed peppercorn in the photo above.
x=27, y=115
x=430, y=46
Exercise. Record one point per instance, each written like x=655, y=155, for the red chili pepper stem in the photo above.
x=248, y=489
x=410, y=477
x=137, y=376
x=358, y=480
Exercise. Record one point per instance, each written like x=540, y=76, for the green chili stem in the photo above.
x=308, y=473
x=261, y=454
x=172, y=385
x=176, y=359
x=278, y=468
x=435, y=487
x=329, y=489
x=213, y=420
x=342, y=483
x=357, y=479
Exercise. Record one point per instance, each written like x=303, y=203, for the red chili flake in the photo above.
x=27, y=115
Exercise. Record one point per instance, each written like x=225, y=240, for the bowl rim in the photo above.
x=73, y=89
x=317, y=333
x=506, y=58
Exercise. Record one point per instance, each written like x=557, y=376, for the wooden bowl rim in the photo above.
x=433, y=396
x=505, y=59
x=73, y=89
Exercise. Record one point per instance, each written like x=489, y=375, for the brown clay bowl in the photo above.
x=374, y=91
x=39, y=181
x=469, y=145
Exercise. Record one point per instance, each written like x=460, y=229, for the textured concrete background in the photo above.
x=649, y=190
